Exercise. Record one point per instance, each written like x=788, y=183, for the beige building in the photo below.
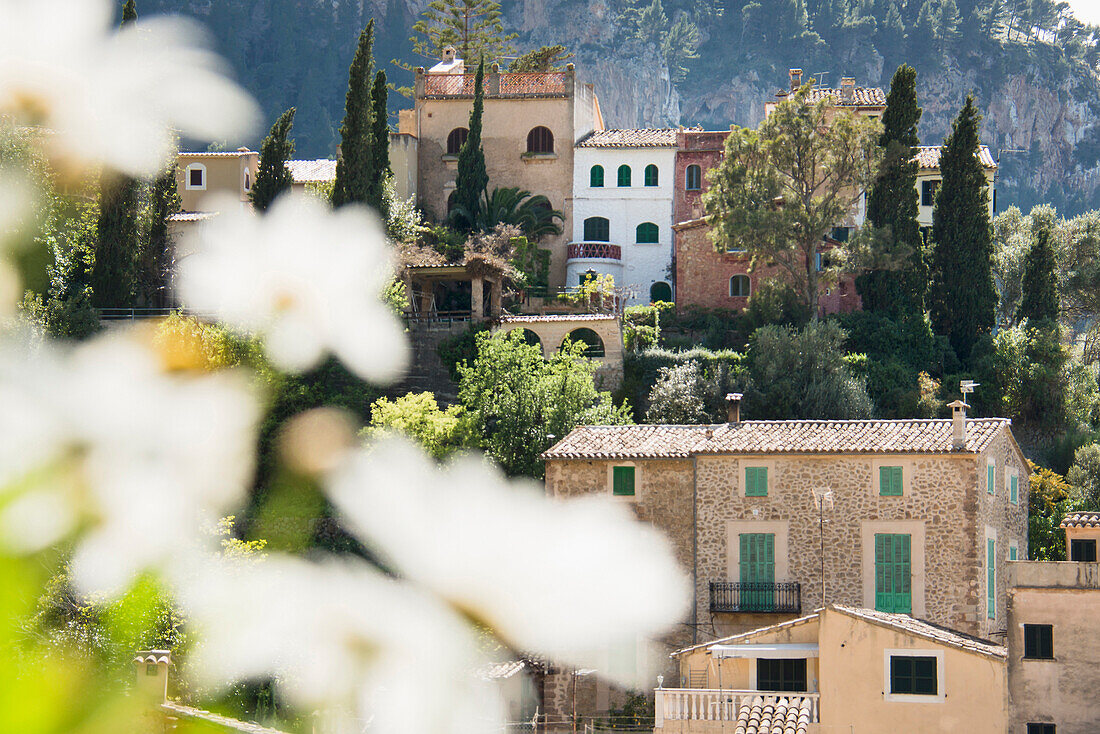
x=840, y=669
x=1053, y=648
x=929, y=179
x=530, y=123
x=918, y=516
x=203, y=177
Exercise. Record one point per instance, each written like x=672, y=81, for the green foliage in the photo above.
x=1048, y=501
x=532, y=264
x=129, y=13
x=273, y=176
x=157, y=254
x=418, y=416
x=519, y=402
x=962, y=298
x=645, y=23
x=1040, y=284
x=533, y=214
x=474, y=27
x=471, y=178
x=395, y=295
x=380, y=147
x=1084, y=477
x=355, y=169
x=722, y=372
x=635, y=715
x=117, y=243
x=1033, y=369
x=67, y=311
x=546, y=58
x=404, y=224
x=780, y=188
x=802, y=374
x=677, y=398
x=897, y=276
x=642, y=325
x=460, y=349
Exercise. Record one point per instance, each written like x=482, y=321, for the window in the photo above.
x=756, y=566
x=452, y=200
x=740, y=286
x=693, y=178
x=540, y=140
x=646, y=233
x=781, y=675
x=913, y=675
x=1040, y=729
x=756, y=481
x=196, y=176
x=624, y=175
x=1083, y=550
x=597, y=229
x=660, y=291
x=893, y=573
x=595, y=177
x=247, y=181
x=990, y=478
x=1013, y=553
x=588, y=275
x=990, y=578
x=840, y=234
x=928, y=192
x=650, y=175
x=889, y=481
x=456, y=139
x=622, y=481
x=1039, y=641
x=1014, y=489
x=818, y=263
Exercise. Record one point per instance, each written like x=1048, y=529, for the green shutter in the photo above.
x=889, y=481
x=1014, y=489
x=596, y=177
x=1012, y=553
x=756, y=481
x=893, y=573
x=622, y=481
x=624, y=175
x=651, y=175
x=990, y=578
x=757, y=566
x=990, y=479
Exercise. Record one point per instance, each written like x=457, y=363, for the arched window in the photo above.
x=540, y=140
x=593, y=344
x=456, y=139
x=646, y=234
x=624, y=175
x=597, y=229
x=651, y=175
x=595, y=177
x=660, y=291
x=739, y=286
x=693, y=178
x=196, y=177
x=451, y=201
x=247, y=181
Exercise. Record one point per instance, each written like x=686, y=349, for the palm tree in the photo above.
x=533, y=214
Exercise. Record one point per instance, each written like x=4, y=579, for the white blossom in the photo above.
x=372, y=653
x=113, y=97
x=307, y=278
x=567, y=579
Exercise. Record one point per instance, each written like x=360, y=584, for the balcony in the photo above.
x=705, y=709
x=593, y=251
x=754, y=596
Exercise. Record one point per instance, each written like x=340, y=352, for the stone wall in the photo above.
x=702, y=148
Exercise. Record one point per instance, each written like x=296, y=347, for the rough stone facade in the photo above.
x=703, y=148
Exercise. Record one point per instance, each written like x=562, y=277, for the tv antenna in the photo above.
x=967, y=386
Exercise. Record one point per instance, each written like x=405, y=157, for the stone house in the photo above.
x=531, y=121
x=839, y=669
x=623, y=184
x=929, y=179
x=921, y=518
x=697, y=151
x=1053, y=649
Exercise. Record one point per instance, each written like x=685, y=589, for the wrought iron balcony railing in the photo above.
x=755, y=596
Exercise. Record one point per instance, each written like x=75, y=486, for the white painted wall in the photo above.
x=924, y=213
x=626, y=208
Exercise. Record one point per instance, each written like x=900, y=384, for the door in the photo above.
x=757, y=572
x=893, y=573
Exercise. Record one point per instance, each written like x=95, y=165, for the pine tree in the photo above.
x=129, y=13
x=473, y=27
x=899, y=280
x=962, y=296
x=472, y=178
x=355, y=166
x=156, y=260
x=273, y=176
x=1040, y=286
x=380, y=145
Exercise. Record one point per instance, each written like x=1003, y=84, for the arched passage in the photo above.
x=660, y=291
x=530, y=338
x=592, y=341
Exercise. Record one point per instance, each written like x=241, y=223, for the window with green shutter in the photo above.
x=646, y=233
x=990, y=578
x=624, y=175
x=1012, y=553
x=913, y=675
x=756, y=481
x=757, y=571
x=595, y=177
x=990, y=478
x=1014, y=489
x=893, y=573
x=889, y=481
x=622, y=481
x=650, y=175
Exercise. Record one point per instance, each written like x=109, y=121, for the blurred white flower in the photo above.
x=340, y=636
x=113, y=97
x=307, y=278
x=562, y=578
x=156, y=456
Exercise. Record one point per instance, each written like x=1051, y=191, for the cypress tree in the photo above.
x=354, y=169
x=472, y=178
x=273, y=176
x=380, y=144
x=1040, y=286
x=962, y=296
x=129, y=13
x=156, y=261
x=900, y=288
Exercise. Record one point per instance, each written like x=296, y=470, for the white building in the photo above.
x=622, y=211
x=929, y=179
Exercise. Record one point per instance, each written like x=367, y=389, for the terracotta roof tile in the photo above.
x=557, y=317
x=1081, y=520
x=774, y=437
x=928, y=156
x=312, y=171
x=864, y=96
x=637, y=138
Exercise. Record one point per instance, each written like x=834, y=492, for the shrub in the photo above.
x=677, y=397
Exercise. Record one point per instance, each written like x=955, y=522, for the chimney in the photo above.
x=733, y=407
x=448, y=54
x=958, y=425
x=848, y=90
x=151, y=669
x=796, y=79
